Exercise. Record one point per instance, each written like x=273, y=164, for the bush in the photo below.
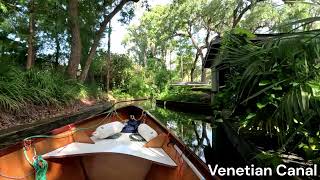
x=18, y=88
x=274, y=88
x=182, y=93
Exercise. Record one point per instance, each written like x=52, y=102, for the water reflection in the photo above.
x=190, y=128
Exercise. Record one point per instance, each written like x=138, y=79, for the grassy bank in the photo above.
x=20, y=88
x=27, y=96
x=185, y=94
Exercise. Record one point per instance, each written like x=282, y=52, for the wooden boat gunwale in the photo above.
x=185, y=149
x=196, y=161
x=20, y=144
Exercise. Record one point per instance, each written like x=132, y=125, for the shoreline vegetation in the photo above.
x=56, y=58
x=37, y=94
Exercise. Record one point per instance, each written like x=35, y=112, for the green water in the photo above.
x=186, y=126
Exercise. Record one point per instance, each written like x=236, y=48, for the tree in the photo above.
x=185, y=63
x=76, y=46
x=146, y=40
x=99, y=34
x=195, y=21
x=264, y=16
x=270, y=17
x=108, y=58
x=10, y=24
x=296, y=12
x=31, y=48
x=137, y=43
x=159, y=32
x=191, y=27
x=242, y=6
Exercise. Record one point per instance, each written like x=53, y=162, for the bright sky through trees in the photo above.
x=120, y=30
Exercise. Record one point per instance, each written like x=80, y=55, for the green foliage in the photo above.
x=130, y=80
x=310, y=143
x=275, y=86
x=293, y=14
x=161, y=75
x=137, y=87
x=181, y=93
x=268, y=159
x=144, y=83
x=39, y=87
x=119, y=94
x=119, y=69
x=264, y=15
x=147, y=40
x=171, y=28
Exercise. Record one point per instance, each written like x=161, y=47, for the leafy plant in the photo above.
x=277, y=86
x=268, y=159
x=181, y=93
x=19, y=88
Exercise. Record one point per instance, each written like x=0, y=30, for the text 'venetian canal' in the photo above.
x=251, y=170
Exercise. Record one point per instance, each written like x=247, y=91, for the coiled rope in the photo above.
x=41, y=167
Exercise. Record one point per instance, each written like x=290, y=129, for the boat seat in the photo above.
x=121, y=145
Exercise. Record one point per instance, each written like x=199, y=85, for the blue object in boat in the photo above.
x=131, y=126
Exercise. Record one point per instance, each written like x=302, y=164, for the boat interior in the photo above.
x=73, y=153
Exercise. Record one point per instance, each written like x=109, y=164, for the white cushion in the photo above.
x=147, y=132
x=109, y=129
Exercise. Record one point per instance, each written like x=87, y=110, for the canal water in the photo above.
x=190, y=128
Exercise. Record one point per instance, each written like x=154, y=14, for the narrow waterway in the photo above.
x=190, y=128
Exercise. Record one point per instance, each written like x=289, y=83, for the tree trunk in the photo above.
x=76, y=46
x=200, y=53
x=144, y=58
x=98, y=36
x=57, y=50
x=109, y=58
x=238, y=14
x=31, y=49
x=203, y=70
x=181, y=68
x=170, y=60
x=192, y=74
x=194, y=67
